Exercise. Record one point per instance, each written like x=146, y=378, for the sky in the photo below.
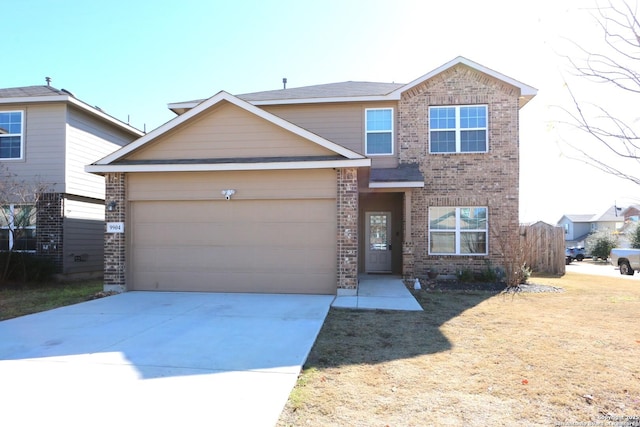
x=132, y=58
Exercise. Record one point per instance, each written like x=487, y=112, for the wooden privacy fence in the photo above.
x=543, y=246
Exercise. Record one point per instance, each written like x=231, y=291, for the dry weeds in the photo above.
x=479, y=359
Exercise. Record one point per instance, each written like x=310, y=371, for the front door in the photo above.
x=378, y=243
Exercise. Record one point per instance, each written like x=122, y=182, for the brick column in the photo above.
x=347, y=208
x=49, y=228
x=115, y=243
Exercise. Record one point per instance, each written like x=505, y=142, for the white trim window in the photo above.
x=11, y=134
x=458, y=129
x=18, y=228
x=378, y=131
x=458, y=231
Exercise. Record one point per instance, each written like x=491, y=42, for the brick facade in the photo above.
x=49, y=228
x=347, y=239
x=115, y=243
x=467, y=179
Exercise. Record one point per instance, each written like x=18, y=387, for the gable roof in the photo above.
x=40, y=94
x=116, y=161
x=359, y=91
x=578, y=217
x=611, y=214
x=608, y=215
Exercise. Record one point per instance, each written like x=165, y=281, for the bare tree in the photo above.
x=616, y=65
x=18, y=201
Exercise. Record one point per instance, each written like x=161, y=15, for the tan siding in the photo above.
x=248, y=185
x=83, y=236
x=88, y=140
x=339, y=123
x=44, y=133
x=228, y=132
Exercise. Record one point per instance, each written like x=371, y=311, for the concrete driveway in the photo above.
x=162, y=359
x=599, y=269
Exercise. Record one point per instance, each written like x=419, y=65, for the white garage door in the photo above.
x=279, y=246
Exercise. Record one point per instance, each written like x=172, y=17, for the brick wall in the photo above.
x=487, y=179
x=49, y=228
x=347, y=208
x=115, y=243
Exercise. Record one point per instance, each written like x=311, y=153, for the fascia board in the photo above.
x=397, y=184
x=394, y=97
x=105, y=116
x=207, y=167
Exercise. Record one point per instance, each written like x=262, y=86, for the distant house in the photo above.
x=48, y=135
x=299, y=190
x=631, y=214
x=578, y=227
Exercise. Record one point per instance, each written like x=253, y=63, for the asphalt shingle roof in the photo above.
x=331, y=90
x=406, y=172
x=31, y=91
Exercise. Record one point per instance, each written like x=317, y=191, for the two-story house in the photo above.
x=47, y=137
x=578, y=227
x=299, y=190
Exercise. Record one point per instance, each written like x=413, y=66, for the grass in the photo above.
x=478, y=358
x=41, y=297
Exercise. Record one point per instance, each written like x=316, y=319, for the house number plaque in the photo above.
x=115, y=227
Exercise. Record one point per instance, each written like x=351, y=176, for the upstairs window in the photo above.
x=379, y=131
x=458, y=129
x=11, y=134
x=458, y=231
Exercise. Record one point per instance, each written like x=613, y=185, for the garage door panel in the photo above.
x=233, y=258
x=240, y=282
x=231, y=246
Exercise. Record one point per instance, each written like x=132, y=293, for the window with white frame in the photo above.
x=18, y=228
x=379, y=131
x=11, y=138
x=458, y=231
x=458, y=129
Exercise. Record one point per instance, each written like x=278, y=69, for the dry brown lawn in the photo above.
x=480, y=359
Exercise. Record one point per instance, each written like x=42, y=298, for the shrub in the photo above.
x=465, y=275
x=488, y=275
x=634, y=237
x=599, y=244
x=26, y=268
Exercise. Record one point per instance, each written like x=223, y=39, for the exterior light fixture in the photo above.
x=228, y=193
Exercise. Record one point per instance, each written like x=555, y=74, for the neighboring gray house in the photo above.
x=578, y=227
x=48, y=136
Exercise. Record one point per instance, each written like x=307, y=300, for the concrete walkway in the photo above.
x=157, y=359
x=379, y=292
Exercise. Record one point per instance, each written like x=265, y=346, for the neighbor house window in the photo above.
x=458, y=129
x=379, y=131
x=11, y=134
x=458, y=231
x=18, y=228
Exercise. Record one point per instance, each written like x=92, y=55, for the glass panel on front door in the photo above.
x=378, y=240
x=378, y=248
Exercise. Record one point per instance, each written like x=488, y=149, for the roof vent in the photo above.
x=48, y=80
x=68, y=92
x=284, y=83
